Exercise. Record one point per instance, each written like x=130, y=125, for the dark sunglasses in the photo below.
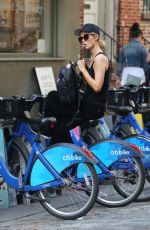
x=85, y=37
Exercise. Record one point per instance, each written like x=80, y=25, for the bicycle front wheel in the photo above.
x=126, y=184
x=71, y=200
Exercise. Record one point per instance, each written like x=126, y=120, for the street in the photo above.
x=135, y=216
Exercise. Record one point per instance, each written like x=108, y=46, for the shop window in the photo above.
x=146, y=9
x=22, y=26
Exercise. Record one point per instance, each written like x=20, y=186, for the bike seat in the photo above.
x=42, y=124
x=47, y=121
x=120, y=110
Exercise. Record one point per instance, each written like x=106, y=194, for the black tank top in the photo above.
x=99, y=98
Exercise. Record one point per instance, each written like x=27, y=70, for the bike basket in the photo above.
x=11, y=107
x=118, y=97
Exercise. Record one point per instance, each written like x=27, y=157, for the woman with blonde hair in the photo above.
x=96, y=78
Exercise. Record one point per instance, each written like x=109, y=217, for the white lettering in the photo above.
x=119, y=152
x=72, y=158
x=144, y=148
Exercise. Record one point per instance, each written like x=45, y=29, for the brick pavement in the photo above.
x=135, y=216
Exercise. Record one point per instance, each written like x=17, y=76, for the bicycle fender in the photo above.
x=60, y=156
x=144, y=145
x=110, y=150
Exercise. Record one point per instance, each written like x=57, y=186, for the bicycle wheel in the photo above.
x=125, y=186
x=71, y=201
x=145, y=194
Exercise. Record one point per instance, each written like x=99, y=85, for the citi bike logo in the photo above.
x=119, y=152
x=144, y=148
x=69, y=157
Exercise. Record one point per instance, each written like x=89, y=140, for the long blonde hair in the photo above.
x=101, y=42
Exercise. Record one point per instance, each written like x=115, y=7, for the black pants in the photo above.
x=65, y=113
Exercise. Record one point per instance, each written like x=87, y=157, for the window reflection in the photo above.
x=20, y=25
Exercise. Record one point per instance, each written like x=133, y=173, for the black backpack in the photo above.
x=68, y=86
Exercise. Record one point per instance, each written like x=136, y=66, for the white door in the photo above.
x=91, y=11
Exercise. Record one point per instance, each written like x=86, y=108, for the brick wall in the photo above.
x=81, y=12
x=130, y=11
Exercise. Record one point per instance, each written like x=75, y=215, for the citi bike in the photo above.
x=61, y=167
x=126, y=102
x=118, y=164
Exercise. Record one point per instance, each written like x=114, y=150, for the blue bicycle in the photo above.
x=62, y=169
x=118, y=164
x=126, y=102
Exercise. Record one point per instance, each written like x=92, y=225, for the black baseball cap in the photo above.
x=88, y=28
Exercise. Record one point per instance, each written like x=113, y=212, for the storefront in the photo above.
x=35, y=33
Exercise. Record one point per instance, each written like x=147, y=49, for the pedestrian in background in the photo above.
x=132, y=64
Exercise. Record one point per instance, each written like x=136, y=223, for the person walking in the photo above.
x=96, y=78
x=132, y=64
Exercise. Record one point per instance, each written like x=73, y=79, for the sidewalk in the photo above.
x=33, y=217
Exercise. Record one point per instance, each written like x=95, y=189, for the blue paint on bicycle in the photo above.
x=60, y=157
x=144, y=145
x=110, y=151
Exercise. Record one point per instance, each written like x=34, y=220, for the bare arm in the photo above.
x=100, y=66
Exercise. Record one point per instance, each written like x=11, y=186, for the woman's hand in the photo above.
x=68, y=66
x=81, y=65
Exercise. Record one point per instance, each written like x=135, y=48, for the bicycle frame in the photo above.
x=97, y=149
x=140, y=139
x=24, y=131
x=20, y=184
x=101, y=162
x=131, y=119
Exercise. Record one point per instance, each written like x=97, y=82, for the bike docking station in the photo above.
x=4, y=196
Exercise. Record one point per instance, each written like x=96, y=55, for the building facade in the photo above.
x=35, y=33
x=39, y=33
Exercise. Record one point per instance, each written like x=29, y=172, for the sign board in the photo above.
x=46, y=79
x=4, y=198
